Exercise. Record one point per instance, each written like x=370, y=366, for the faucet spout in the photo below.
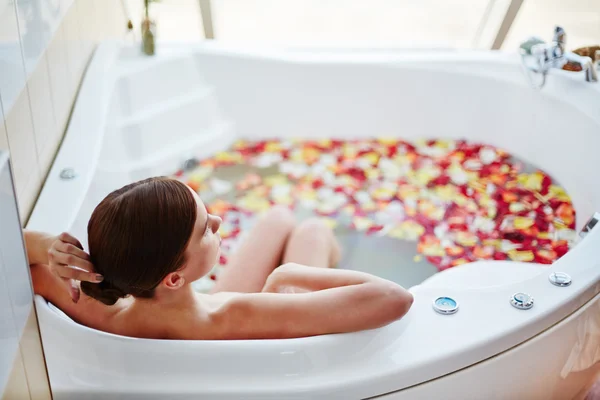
x=587, y=65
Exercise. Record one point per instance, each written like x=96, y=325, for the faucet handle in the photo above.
x=560, y=36
x=528, y=45
x=560, y=39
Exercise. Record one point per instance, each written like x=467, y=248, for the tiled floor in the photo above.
x=399, y=23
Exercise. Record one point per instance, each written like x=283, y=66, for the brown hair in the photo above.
x=138, y=235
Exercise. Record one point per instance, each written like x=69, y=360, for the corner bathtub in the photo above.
x=136, y=117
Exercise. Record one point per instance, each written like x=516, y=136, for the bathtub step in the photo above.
x=146, y=81
x=166, y=106
x=177, y=120
x=170, y=158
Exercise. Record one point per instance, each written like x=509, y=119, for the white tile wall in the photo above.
x=87, y=29
x=76, y=53
x=12, y=73
x=21, y=141
x=59, y=73
x=44, y=119
x=38, y=20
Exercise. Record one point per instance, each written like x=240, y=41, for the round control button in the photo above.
x=522, y=301
x=561, y=279
x=445, y=305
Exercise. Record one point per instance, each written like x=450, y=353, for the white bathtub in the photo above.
x=137, y=116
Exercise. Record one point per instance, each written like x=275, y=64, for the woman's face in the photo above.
x=203, y=249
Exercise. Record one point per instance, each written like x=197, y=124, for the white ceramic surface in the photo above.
x=136, y=117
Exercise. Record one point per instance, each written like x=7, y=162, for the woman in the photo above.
x=151, y=239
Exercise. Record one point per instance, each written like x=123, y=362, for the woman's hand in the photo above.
x=64, y=256
x=67, y=259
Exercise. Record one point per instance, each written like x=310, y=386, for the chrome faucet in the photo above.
x=539, y=57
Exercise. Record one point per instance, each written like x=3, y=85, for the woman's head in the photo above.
x=149, y=234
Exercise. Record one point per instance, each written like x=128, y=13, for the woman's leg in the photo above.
x=259, y=254
x=312, y=243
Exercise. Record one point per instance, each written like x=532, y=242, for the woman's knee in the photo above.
x=313, y=230
x=280, y=219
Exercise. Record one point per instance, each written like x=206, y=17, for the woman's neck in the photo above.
x=182, y=298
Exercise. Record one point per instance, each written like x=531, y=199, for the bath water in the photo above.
x=401, y=210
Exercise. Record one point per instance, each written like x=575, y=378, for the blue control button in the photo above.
x=445, y=305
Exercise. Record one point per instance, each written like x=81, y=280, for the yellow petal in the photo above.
x=275, y=180
x=459, y=261
x=362, y=223
x=531, y=181
x=412, y=230
x=372, y=173
x=517, y=255
x=433, y=251
x=465, y=239
x=383, y=194
x=200, y=174
x=254, y=204
x=387, y=141
x=406, y=192
x=523, y=222
x=447, y=192
x=545, y=235
x=558, y=193
x=324, y=143
x=273, y=147
x=516, y=207
x=372, y=158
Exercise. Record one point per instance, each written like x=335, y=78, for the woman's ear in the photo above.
x=174, y=280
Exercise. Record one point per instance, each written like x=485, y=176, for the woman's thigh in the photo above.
x=259, y=253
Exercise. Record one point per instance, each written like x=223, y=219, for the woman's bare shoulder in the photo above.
x=240, y=316
x=202, y=321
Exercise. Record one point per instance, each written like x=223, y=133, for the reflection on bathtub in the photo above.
x=586, y=352
x=415, y=208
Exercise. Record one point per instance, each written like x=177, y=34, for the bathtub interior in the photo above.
x=191, y=104
x=206, y=98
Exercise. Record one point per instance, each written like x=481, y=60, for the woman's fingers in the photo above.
x=71, y=249
x=61, y=258
x=66, y=271
x=66, y=237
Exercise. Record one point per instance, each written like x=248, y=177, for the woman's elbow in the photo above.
x=397, y=303
x=402, y=301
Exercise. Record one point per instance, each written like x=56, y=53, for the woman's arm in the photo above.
x=38, y=244
x=64, y=256
x=292, y=277
x=340, y=301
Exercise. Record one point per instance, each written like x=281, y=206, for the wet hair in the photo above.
x=138, y=235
